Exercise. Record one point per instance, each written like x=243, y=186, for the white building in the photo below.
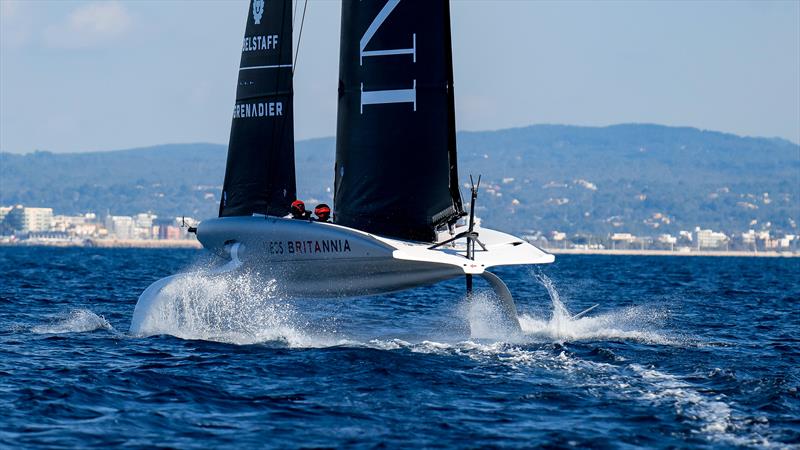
x=710, y=239
x=145, y=220
x=623, y=237
x=25, y=219
x=120, y=227
x=143, y=223
x=668, y=239
x=786, y=241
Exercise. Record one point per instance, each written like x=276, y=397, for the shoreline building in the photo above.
x=25, y=219
x=624, y=240
x=710, y=239
x=120, y=227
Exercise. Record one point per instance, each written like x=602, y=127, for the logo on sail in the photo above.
x=257, y=109
x=385, y=96
x=258, y=11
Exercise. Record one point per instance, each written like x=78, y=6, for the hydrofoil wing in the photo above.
x=501, y=249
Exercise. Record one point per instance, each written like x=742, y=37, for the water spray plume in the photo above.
x=239, y=308
x=638, y=323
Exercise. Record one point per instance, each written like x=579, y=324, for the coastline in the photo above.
x=639, y=252
x=110, y=243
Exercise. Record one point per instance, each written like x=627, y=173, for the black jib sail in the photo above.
x=259, y=177
x=396, y=171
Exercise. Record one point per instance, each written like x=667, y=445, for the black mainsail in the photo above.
x=396, y=172
x=260, y=173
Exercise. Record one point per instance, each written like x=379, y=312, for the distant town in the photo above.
x=698, y=241
x=25, y=225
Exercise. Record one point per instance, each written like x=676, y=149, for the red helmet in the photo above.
x=323, y=211
x=298, y=207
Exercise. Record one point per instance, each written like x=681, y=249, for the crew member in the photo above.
x=298, y=210
x=323, y=213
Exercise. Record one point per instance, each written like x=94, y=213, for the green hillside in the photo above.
x=645, y=179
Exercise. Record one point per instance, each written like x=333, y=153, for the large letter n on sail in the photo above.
x=387, y=95
x=373, y=27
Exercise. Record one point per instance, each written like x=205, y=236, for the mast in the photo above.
x=260, y=172
x=396, y=162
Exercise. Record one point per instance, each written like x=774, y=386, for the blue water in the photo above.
x=681, y=352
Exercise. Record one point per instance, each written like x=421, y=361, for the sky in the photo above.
x=104, y=75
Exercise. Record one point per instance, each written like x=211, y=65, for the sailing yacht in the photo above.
x=399, y=219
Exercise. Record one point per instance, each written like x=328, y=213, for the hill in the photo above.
x=645, y=179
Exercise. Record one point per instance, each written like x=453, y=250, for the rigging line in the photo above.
x=299, y=37
x=291, y=98
x=277, y=90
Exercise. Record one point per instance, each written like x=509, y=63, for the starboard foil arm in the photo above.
x=509, y=321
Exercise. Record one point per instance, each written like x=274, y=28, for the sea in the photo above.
x=680, y=352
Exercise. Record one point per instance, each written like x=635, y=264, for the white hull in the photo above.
x=313, y=259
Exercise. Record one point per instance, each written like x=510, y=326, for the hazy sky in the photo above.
x=90, y=75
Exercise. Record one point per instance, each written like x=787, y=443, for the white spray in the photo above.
x=240, y=308
x=634, y=323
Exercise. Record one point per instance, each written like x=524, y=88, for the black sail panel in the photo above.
x=395, y=146
x=260, y=172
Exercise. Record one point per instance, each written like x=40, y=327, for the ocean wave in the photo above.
x=75, y=321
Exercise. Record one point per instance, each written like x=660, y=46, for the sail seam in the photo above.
x=275, y=66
